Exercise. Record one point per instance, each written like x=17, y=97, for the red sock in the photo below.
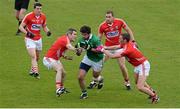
x=34, y=69
x=59, y=85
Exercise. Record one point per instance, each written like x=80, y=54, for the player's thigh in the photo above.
x=121, y=61
x=32, y=52
x=38, y=44
x=30, y=43
x=136, y=77
x=57, y=66
x=97, y=66
x=50, y=63
x=84, y=68
x=143, y=69
x=82, y=73
x=141, y=80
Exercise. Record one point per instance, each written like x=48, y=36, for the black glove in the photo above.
x=48, y=33
x=78, y=51
x=30, y=34
x=36, y=0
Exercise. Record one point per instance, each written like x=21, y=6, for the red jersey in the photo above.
x=58, y=48
x=112, y=32
x=34, y=24
x=132, y=54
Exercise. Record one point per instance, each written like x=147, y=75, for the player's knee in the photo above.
x=80, y=77
x=33, y=57
x=59, y=69
x=139, y=87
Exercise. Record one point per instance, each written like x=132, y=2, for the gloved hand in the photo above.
x=48, y=33
x=30, y=34
x=79, y=51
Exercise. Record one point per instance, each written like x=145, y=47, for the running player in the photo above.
x=31, y=26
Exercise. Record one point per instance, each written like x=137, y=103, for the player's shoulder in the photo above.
x=118, y=20
x=29, y=14
x=43, y=15
x=102, y=24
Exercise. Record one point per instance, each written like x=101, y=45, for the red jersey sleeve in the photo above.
x=124, y=24
x=26, y=19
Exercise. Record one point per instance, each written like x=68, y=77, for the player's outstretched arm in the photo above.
x=116, y=55
x=112, y=47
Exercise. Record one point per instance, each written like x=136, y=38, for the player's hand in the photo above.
x=30, y=34
x=100, y=48
x=79, y=51
x=48, y=33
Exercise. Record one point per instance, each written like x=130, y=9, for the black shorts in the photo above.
x=21, y=4
x=84, y=66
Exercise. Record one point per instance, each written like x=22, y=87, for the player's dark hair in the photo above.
x=85, y=29
x=110, y=12
x=70, y=31
x=37, y=4
x=126, y=36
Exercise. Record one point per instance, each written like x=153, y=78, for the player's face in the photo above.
x=37, y=10
x=109, y=18
x=85, y=36
x=73, y=36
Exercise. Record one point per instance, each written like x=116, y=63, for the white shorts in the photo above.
x=96, y=66
x=143, y=69
x=48, y=62
x=33, y=44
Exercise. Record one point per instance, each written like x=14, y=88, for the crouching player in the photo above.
x=92, y=59
x=136, y=58
x=51, y=59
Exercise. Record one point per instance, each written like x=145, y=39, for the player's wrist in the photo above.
x=48, y=33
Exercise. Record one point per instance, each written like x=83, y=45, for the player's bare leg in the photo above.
x=140, y=80
x=97, y=81
x=19, y=16
x=121, y=62
x=37, y=55
x=59, y=78
x=34, y=64
x=81, y=79
x=98, y=78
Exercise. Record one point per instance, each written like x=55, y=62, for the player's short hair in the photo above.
x=70, y=31
x=37, y=4
x=85, y=29
x=126, y=36
x=110, y=12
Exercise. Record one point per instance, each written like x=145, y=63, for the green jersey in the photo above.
x=93, y=42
